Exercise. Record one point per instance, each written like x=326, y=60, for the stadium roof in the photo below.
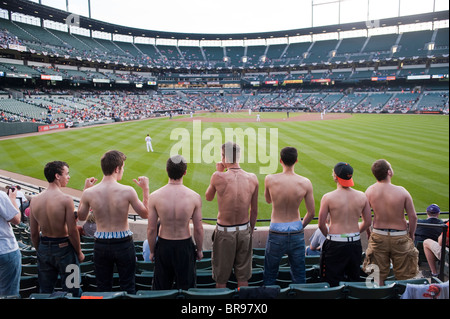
x=57, y=15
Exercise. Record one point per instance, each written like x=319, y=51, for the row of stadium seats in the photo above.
x=408, y=44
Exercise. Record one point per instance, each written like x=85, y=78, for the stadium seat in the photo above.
x=28, y=286
x=359, y=290
x=316, y=292
x=104, y=295
x=400, y=285
x=155, y=294
x=144, y=266
x=144, y=280
x=204, y=279
x=205, y=293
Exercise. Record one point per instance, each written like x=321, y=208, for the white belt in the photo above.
x=233, y=228
x=344, y=237
x=390, y=233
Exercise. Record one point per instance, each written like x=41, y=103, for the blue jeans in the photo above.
x=279, y=244
x=10, y=268
x=54, y=255
x=120, y=252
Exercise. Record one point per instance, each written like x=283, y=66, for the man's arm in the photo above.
x=198, y=227
x=83, y=206
x=323, y=214
x=411, y=213
x=266, y=190
x=34, y=228
x=141, y=208
x=74, y=236
x=310, y=206
x=254, y=205
x=211, y=190
x=152, y=227
x=366, y=218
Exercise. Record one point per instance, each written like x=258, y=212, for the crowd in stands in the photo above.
x=61, y=105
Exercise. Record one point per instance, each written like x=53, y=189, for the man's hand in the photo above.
x=89, y=182
x=142, y=182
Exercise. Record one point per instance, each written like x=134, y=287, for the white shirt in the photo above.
x=8, y=242
x=148, y=139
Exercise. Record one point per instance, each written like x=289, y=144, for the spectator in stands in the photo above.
x=432, y=250
x=423, y=233
x=54, y=232
x=21, y=199
x=175, y=254
x=232, y=241
x=90, y=227
x=110, y=202
x=285, y=191
x=316, y=241
x=10, y=257
x=341, y=252
x=390, y=239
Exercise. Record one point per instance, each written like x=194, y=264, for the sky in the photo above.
x=242, y=16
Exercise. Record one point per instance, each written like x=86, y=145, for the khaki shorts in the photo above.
x=382, y=249
x=231, y=250
x=434, y=247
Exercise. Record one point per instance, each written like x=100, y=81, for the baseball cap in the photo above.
x=344, y=173
x=433, y=208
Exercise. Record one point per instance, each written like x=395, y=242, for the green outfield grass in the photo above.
x=417, y=146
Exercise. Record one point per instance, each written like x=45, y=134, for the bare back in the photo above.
x=110, y=202
x=389, y=203
x=345, y=206
x=175, y=205
x=51, y=210
x=286, y=191
x=235, y=191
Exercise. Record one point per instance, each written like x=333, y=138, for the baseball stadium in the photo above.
x=347, y=81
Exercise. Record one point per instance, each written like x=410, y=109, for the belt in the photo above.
x=233, y=228
x=347, y=238
x=390, y=232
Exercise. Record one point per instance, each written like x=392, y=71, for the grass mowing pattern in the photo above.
x=417, y=146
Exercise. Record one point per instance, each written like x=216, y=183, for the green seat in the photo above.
x=400, y=285
x=205, y=263
x=144, y=266
x=312, y=260
x=204, y=279
x=359, y=290
x=314, y=292
x=155, y=294
x=208, y=293
x=104, y=295
x=28, y=285
x=144, y=280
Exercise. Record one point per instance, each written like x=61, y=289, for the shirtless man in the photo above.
x=391, y=239
x=174, y=253
x=285, y=191
x=54, y=231
x=110, y=202
x=237, y=194
x=341, y=251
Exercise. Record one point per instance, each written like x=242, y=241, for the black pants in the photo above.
x=340, y=261
x=119, y=252
x=174, y=264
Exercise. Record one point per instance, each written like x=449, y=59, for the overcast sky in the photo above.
x=241, y=16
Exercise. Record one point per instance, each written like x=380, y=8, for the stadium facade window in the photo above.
x=22, y=18
x=55, y=25
x=101, y=35
x=144, y=40
x=80, y=31
x=122, y=38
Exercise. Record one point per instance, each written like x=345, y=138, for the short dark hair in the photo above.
x=53, y=168
x=176, y=167
x=231, y=151
x=289, y=155
x=380, y=169
x=111, y=160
